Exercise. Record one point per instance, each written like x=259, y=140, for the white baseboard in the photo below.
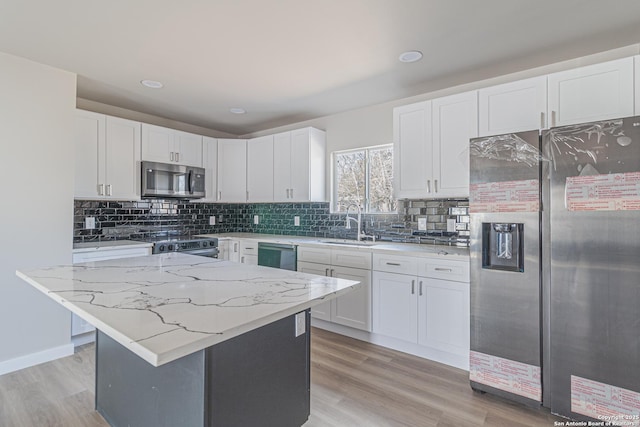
x=33, y=359
x=451, y=359
x=82, y=339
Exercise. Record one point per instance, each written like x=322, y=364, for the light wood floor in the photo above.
x=353, y=384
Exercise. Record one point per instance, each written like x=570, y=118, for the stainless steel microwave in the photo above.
x=165, y=180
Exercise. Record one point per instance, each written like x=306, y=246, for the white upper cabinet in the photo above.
x=513, y=107
x=164, y=145
x=431, y=146
x=299, y=165
x=210, y=164
x=232, y=170
x=595, y=92
x=260, y=169
x=412, y=150
x=455, y=121
x=107, y=157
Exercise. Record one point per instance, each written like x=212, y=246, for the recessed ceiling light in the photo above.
x=152, y=84
x=237, y=110
x=410, y=56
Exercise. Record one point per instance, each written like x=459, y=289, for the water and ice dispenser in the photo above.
x=503, y=246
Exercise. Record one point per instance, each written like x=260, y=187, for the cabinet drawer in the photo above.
x=351, y=258
x=396, y=264
x=314, y=254
x=249, y=247
x=444, y=269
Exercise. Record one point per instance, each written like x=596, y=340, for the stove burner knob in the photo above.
x=170, y=247
x=205, y=244
x=161, y=248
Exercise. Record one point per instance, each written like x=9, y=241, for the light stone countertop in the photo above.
x=409, y=249
x=108, y=244
x=163, y=307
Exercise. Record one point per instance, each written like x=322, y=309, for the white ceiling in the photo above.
x=286, y=61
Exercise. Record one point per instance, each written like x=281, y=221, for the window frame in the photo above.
x=367, y=178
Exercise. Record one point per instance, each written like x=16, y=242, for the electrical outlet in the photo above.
x=256, y=219
x=90, y=223
x=296, y=221
x=212, y=220
x=422, y=224
x=301, y=323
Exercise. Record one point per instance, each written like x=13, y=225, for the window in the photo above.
x=364, y=177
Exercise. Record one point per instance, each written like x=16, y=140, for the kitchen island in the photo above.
x=193, y=341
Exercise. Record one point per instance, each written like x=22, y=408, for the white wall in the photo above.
x=36, y=219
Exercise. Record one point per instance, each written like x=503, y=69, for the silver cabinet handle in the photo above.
x=413, y=287
x=109, y=190
x=288, y=193
x=542, y=120
x=428, y=186
x=326, y=272
x=177, y=157
x=420, y=291
x=332, y=270
x=247, y=196
x=553, y=119
x=235, y=247
x=171, y=156
x=249, y=249
x=443, y=269
x=393, y=263
x=242, y=260
x=219, y=195
x=291, y=192
x=101, y=189
x=435, y=182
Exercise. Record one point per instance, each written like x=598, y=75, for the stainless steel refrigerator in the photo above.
x=569, y=338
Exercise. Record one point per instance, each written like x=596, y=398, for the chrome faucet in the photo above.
x=358, y=221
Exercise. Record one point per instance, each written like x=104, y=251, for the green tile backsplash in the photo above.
x=116, y=220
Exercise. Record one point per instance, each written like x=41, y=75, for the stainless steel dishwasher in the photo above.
x=278, y=255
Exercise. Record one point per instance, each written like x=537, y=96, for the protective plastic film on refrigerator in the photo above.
x=594, y=281
x=505, y=248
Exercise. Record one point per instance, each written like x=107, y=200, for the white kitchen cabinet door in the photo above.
x=210, y=164
x=513, y=107
x=188, y=148
x=444, y=322
x=455, y=121
x=412, y=151
x=234, y=250
x=164, y=145
x=157, y=144
x=232, y=170
x=223, y=249
x=595, y=92
x=282, y=167
x=353, y=309
x=260, y=169
x=122, y=159
x=308, y=153
x=321, y=311
x=89, y=149
x=395, y=306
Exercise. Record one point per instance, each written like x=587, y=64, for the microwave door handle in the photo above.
x=190, y=182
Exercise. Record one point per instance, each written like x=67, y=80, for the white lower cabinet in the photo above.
x=395, y=306
x=426, y=305
x=233, y=250
x=352, y=309
x=80, y=328
x=249, y=252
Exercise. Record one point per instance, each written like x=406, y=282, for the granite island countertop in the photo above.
x=163, y=307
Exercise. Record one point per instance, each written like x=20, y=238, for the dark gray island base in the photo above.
x=260, y=378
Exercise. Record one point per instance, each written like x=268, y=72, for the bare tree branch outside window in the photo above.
x=364, y=177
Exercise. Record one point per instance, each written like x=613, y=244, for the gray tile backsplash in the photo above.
x=116, y=220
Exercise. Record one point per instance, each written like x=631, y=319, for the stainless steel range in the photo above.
x=206, y=246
